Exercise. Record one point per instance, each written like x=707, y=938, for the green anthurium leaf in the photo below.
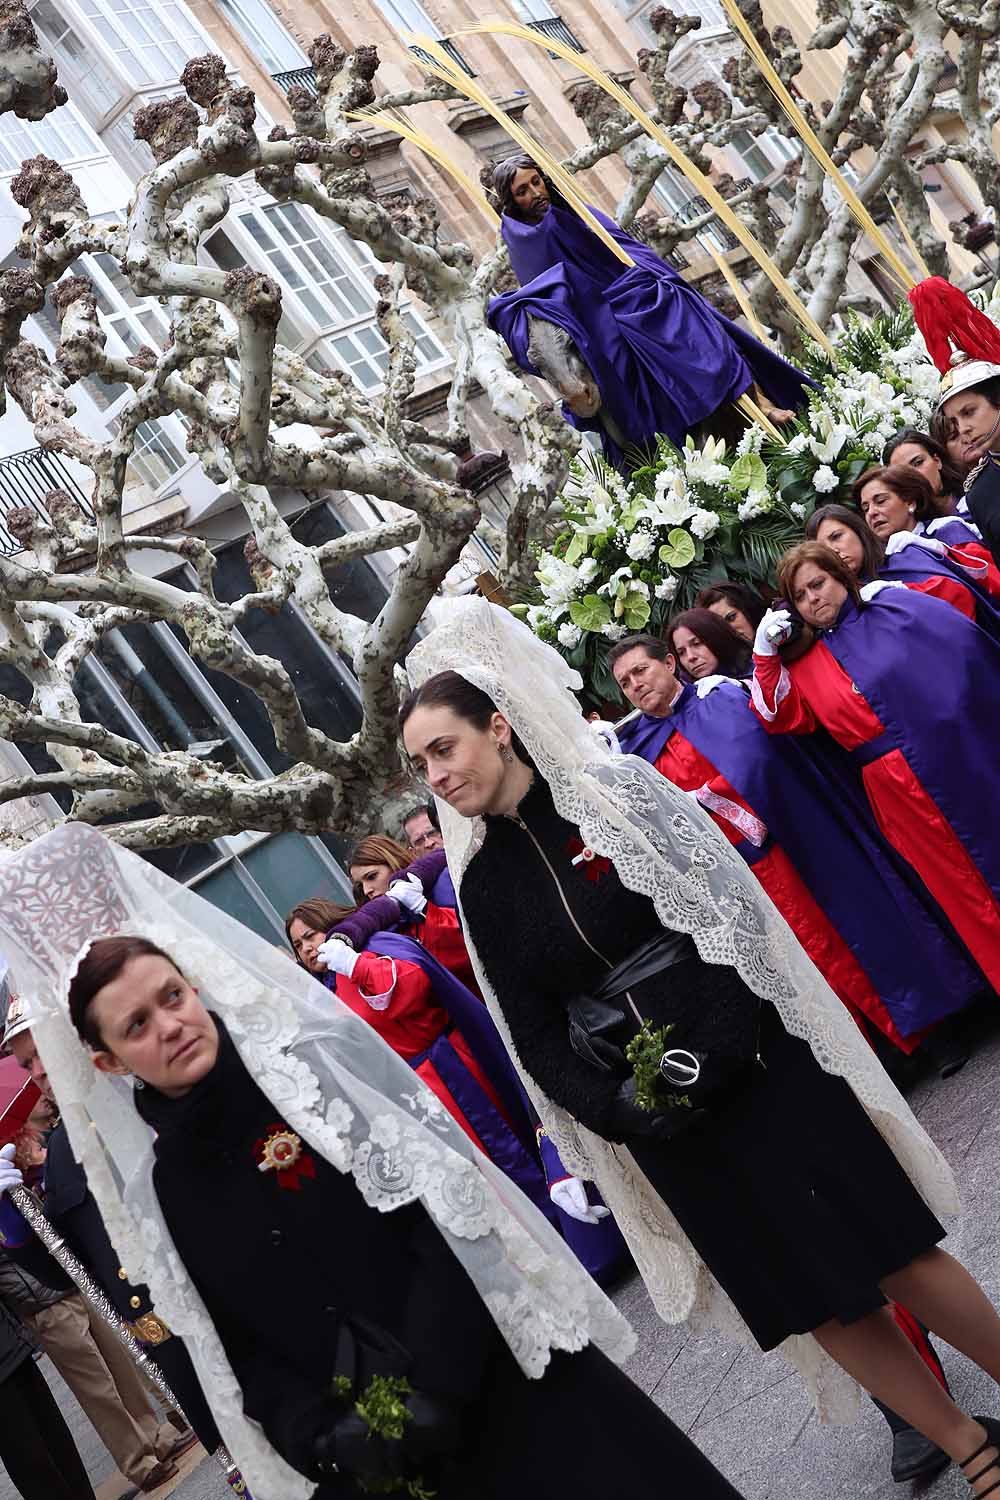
x=637, y=611
x=577, y=547
x=590, y=613
x=679, y=549
x=748, y=473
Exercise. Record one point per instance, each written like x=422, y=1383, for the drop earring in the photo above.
x=505, y=753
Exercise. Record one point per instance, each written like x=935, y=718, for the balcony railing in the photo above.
x=25, y=480
x=556, y=28
x=303, y=78
x=694, y=209
x=452, y=52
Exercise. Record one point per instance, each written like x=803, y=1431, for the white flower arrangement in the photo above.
x=635, y=550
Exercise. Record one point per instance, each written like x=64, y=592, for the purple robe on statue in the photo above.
x=663, y=357
x=918, y=969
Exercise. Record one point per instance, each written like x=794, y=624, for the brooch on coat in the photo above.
x=281, y=1152
x=594, y=865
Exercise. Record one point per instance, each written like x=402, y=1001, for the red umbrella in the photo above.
x=18, y=1096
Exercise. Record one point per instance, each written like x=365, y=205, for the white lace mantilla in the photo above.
x=327, y=1073
x=662, y=846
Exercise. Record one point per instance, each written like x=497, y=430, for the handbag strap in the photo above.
x=657, y=953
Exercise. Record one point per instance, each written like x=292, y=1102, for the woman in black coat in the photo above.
x=306, y=1284
x=769, y=1163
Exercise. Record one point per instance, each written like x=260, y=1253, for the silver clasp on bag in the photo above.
x=680, y=1067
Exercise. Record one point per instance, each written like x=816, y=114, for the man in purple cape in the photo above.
x=659, y=357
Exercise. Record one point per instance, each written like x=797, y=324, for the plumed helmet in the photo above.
x=962, y=341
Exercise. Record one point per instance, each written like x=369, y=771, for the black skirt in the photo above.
x=791, y=1197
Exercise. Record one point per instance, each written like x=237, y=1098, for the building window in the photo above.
x=151, y=40
x=81, y=67
x=259, y=28
x=328, y=302
x=64, y=135
x=712, y=15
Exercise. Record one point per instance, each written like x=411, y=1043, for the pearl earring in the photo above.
x=912, y=509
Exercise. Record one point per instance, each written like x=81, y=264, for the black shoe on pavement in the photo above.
x=914, y=1456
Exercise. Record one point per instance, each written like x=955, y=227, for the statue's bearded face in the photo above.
x=530, y=195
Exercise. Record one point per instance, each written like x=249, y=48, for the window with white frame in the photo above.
x=81, y=68
x=408, y=15
x=150, y=40
x=532, y=10
x=64, y=135
x=328, y=300
x=256, y=24
x=129, y=322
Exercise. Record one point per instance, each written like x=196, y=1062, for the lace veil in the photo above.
x=328, y=1074
x=664, y=846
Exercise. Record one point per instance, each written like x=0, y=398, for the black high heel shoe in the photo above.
x=992, y=1441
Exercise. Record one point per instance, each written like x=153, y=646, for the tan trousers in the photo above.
x=105, y=1380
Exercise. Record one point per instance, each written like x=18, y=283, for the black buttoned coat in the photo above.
x=285, y=1270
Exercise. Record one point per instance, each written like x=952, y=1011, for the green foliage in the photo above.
x=382, y=1406
x=644, y=1052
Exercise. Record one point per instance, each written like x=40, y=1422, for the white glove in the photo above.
x=870, y=591
x=338, y=957
x=606, y=731
x=901, y=539
x=10, y=1176
x=706, y=685
x=571, y=1196
x=409, y=893
x=772, y=632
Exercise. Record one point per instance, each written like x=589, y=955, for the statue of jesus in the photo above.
x=634, y=351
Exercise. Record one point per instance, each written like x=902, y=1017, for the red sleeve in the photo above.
x=776, y=700
x=373, y=974
x=949, y=590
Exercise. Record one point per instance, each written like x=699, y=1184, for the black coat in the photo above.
x=984, y=504
x=823, y=1210
x=71, y=1209
x=547, y=929
x=285, y=1271
x=16, y=1344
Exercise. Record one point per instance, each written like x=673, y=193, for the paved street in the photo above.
x=747, y=1411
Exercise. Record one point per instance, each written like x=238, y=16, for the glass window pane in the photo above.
x=226, y=891
x=288, y=870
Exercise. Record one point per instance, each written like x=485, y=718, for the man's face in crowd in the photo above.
x=530, y=195
x=649, y=684
x=421, y=835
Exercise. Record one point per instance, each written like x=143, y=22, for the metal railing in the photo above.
x=772, y=218
x=25, y=480
x=452, y=52
x=303, y=78
x=556, y=28
x=694, y=209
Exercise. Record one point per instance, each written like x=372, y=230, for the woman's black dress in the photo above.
x=284, y=1270
x=787, y=1191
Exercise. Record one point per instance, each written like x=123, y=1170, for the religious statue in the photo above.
x=633, y=351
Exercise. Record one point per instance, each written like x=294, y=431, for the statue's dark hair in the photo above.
x=503, y=180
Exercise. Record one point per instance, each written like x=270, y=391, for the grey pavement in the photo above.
x=747, y=1411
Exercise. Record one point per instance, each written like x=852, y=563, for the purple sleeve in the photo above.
x=551, y=1160
x=427, y=869
x=380, y=914
x=14, y=1229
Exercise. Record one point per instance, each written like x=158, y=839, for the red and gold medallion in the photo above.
x=282, y=1152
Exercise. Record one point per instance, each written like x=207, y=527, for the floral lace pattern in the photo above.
x=328, y=1075
x=663, y=847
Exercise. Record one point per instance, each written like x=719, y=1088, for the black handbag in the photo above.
x=704, y=1057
